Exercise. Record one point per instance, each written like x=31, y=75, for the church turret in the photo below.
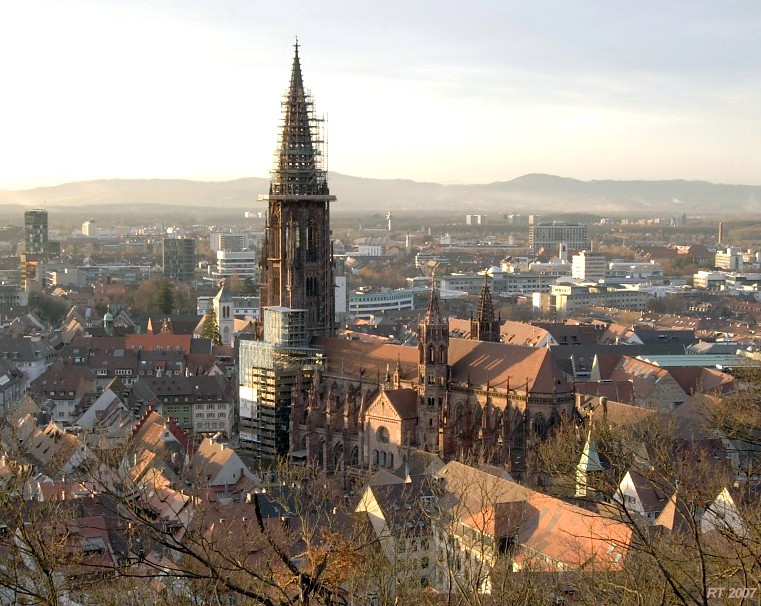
x=433, y=360
x=108, y=321
x=588, y=467
x=297, y=265
x=485, y=326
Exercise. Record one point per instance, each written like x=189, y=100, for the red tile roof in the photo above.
x=161, y=341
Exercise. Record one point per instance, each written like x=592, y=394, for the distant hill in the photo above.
x=529, y=193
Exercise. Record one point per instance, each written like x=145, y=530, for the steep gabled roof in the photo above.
x=698, y=379
x=403, y=402
x=211, y=458
x=675, y=516
x=477, y=362
x=500, y=365
x=570, y=333
x=403, y=505
x=159, y=342
x=616, y=391
x=551, y=532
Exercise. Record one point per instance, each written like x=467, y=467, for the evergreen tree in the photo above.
x=210, y=328
x=165, y=297
x=247, y=287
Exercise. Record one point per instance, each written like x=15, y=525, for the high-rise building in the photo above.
x=730, y=258
x=90, y=228
x=296, y=265
x=550, y=235
x=589, y=266
x=179, y=256
x=36, y=249
x=36, y=231
x=229, y=242
x=238, y=265
x=475, y=219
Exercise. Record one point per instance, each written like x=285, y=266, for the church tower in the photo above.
x=224, y=309
x=485, y=327
x=296, y=265
x=433, y=365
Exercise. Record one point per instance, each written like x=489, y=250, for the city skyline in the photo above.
x=449, y=93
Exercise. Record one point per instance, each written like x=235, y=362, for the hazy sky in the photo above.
x=456, y=92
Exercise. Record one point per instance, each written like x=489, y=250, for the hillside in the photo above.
x=529, y=193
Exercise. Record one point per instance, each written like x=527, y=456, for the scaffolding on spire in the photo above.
x=297, y=266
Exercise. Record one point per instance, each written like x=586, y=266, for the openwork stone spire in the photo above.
x=297, y=169
x=296, y=265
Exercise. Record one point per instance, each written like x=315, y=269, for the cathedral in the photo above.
x=369, y=405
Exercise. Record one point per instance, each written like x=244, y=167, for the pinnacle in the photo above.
x=485, y=305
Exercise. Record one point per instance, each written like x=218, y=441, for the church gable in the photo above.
x=394, y=405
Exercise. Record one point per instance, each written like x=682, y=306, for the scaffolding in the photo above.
x=269, y=373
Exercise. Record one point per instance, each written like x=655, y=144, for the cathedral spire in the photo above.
x=297, y=169
x=297, y=268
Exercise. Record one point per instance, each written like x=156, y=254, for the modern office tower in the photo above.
x=475, y=219
x=729, y=258
x=241, y=264
x=268, y=372
x=90, y=228
x=296, y=266
x=36, y=249
x=550, y=235
x=588, y=266
x=36, y=231
x=179, y=256
x=230, y=242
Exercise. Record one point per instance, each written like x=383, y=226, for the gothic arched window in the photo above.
x=540, y=424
